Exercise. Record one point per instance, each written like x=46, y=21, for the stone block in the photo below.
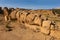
x=44, y=30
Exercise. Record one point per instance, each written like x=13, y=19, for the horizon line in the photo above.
x=30, y=8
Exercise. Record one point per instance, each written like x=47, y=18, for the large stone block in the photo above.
x=46, y=24
x=37, y=21
x=13, y=14
x=30, y=17
x=44, y=30
x=23, y=16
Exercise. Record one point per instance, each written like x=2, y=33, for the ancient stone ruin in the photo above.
x=45, y=21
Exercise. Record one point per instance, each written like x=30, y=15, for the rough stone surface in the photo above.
x=27, y=24
x=46, y=24
x=37, y=21
x=13, y=14
x=44, y=30
x=30, y=17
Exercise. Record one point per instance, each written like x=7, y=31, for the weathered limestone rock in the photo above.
x=44, y=30
x=32, y=27
x=23, y=16
x=43, y=17
x=55, y=33
x=13, y=14
x=30, y=18
x=5, y=11
x=46, y=24
x=46, y=27
x=47, y=12
x=18, y=16
x=37, y=20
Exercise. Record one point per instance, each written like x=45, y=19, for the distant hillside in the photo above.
x=56, y=10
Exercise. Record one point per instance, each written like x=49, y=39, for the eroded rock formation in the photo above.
x=44, y=21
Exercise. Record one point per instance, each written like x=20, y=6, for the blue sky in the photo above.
x=31, y=4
